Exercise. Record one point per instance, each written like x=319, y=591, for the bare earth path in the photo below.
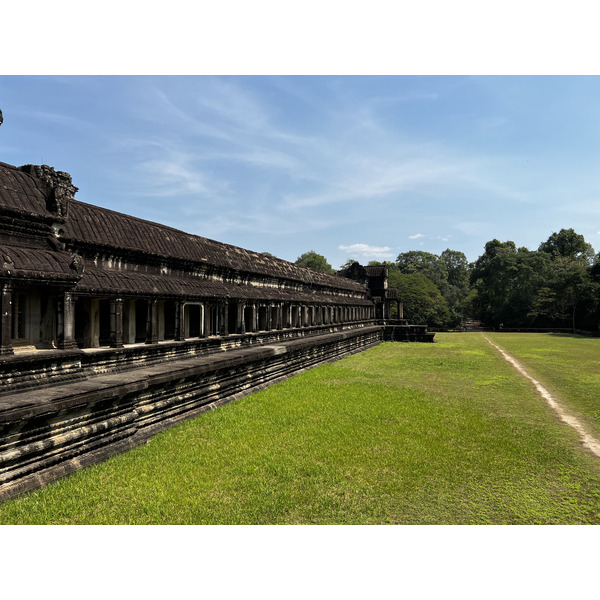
x=589, y=441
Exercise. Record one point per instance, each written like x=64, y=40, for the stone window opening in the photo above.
x=193, y=318
x=263, y=318
x=33, y=318
x=141, y=321
x=213, y=325
x=286, y=322
x=167, y=320
x=248, y=318
x=19, y=318
x=232, y=318
x=104, y=322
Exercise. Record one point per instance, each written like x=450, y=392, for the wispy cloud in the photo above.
x=49, y=117
x=367, y=251
x=306, y=166
x=472, y=227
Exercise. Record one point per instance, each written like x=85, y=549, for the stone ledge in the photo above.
x=47, y=433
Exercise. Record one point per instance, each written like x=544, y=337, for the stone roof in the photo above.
x=21, y=193
x=96, y=281
x=103, y=228
x=31, y=263
x=376, y=271
x=30, y=191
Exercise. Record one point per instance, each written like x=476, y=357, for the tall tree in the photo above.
x=314, y=261
x=449, y=272
x=492, y=278
x=457, y=288
x=422, y=300
x=553, y=286
x=348, y=264
x=426, y=263
x=457, y=266
x=568, y=244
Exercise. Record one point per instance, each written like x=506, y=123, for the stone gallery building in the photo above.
x=113, y=328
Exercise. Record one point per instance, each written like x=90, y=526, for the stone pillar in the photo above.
x=6, y=321
x=129, y=322
x=152, y=322
x=161, y=321
x=401, y=310
x=207, y=331
x=179, y=321
x=116, y=323
x=241, y=322
x=224, y=310
x=66, y=322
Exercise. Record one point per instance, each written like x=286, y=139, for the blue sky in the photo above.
x=361, y=167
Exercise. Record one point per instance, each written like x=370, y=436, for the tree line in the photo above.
x=555, y=286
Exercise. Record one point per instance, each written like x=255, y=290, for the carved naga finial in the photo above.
x=58, y=184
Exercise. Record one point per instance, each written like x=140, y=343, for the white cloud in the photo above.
x=416, y=236
x=367, y=251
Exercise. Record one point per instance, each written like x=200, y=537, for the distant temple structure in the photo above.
x=113, y=328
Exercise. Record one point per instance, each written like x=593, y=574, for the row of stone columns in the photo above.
x=249, y=317
x=216, y=319
x=65, y=319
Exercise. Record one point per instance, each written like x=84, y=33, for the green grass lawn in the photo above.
x=444, y=433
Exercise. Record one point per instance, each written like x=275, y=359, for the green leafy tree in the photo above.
x=568, y=288
x=553, y=286
x=457, y=287
x=348, y=264
x=457, y=267
x=568, y=244
x=449, y=272
x=423, y=302
x=426, y=263
x=492, y=277
x=314, y=261
x=570, y=291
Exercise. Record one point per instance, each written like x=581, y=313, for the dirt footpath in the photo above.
x=589, y=441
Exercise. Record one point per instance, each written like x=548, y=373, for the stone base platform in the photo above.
x=49, y=431
x=407, y=333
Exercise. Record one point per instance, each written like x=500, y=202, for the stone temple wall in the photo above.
x=113, y=328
